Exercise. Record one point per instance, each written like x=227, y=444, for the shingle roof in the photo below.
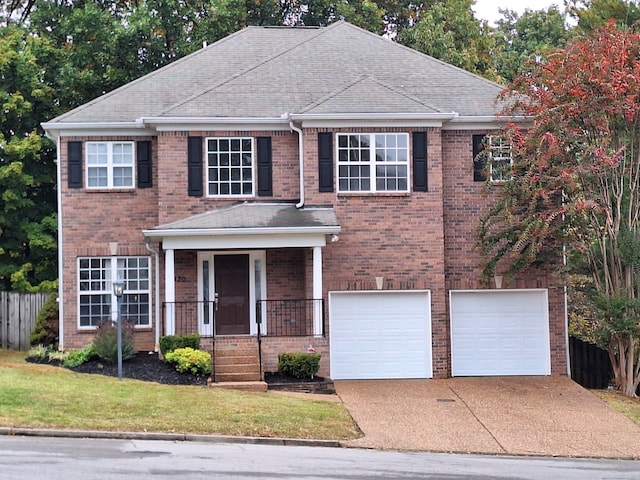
x=265, y=72
x=258, y=216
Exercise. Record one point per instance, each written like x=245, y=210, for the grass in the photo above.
x=628, y=406
x=44, y=396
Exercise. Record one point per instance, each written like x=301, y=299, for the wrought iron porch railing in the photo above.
x=280, y=318
x=184, y=317
x=291, y=318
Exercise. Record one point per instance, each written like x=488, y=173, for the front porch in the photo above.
x=281, y=326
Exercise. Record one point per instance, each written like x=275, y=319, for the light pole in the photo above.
x=118, y=289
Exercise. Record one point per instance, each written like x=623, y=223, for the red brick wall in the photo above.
x=465, y=201
x=417, y=240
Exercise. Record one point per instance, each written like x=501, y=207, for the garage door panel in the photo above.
x=502, y=332
x=380, y=334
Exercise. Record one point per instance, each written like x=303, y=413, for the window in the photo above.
x=230, y=167
x=373, y=162
x=500, y=158
x=110, y=165
x=96, y=302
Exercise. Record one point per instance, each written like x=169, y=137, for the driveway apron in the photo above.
x=548, y=416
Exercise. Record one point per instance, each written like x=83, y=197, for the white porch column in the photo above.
x=317, y=291
x=169, y=292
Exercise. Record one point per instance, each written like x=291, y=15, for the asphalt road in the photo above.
x=87, y=459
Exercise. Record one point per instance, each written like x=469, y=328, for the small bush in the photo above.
x=57, y=356
x=105, y=344
x=78, y=357
x=39, y=353
x=299, y=365
x=169, y=343
x=45, y=331
x=189, y=360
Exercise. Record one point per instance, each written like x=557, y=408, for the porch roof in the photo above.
x=249, y=225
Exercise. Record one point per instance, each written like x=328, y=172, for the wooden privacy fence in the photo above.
x=18, y=313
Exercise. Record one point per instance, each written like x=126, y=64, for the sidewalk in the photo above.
x=547, y=416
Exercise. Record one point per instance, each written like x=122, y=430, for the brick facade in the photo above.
x=415, y=240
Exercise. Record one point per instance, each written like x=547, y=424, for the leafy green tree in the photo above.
x=525, y=39
x=576, y=183
x=27, y=174
x=450, y=32
x=591, y=14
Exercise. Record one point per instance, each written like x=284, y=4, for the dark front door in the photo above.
x=232, y=289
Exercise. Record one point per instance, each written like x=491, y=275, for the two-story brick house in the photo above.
x=305, y=186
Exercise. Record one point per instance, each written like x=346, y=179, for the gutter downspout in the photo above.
x=300, y=204
x=156, y=254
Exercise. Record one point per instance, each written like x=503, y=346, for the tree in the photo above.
x=449, y=31
x=576, y=182
x=522, y=39
x=27, y=174
x=591, y=14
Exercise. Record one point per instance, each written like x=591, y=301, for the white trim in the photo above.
x=253, y=256
x=245, y=242
x=110, y=166
x=169, y=291
x=317, y=291
x=60, y=249
x=253, y=167
x=232, y=232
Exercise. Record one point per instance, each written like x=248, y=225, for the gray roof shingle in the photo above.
x=265, y=72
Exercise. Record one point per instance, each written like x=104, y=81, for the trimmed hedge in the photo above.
x=299, y=365
x=169, y=343
x=189, y=360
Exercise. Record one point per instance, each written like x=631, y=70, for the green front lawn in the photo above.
x=44, y=396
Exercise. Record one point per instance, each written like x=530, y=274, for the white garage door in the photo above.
x=500, y=332
x=380, y=334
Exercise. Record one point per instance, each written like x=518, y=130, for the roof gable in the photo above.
x=268, y=72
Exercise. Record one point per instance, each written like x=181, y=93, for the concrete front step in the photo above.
x=251, y=367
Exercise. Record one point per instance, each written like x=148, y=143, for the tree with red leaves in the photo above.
x=575, y=192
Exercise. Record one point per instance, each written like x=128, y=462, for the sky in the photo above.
x=488, y=9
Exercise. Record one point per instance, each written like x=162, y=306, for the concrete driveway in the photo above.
x=548, y=416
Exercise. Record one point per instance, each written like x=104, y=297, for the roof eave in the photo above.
x=367, y=119
x=483, y=122
x=202, y=232
x=55, y=130
x=165, y=124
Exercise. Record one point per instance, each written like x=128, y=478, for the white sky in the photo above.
x=488, y=9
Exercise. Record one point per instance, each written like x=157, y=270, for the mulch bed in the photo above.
x=148, y=367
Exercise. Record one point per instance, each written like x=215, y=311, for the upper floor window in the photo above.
x=492, y=156
x=376, y=162
x=500, y=158
x=230, y=166
x=96, y=301
x=110, y=165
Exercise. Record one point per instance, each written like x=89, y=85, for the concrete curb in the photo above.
x=170, y=437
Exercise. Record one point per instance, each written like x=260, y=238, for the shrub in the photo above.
x=45, y=331
x=299, y=365
x=57, y=356
x=39, y=353
x=189, y=360
x=105, y=344
x=78, y=357
x=170, y=342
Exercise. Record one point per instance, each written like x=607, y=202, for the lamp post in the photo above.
x=118, y=289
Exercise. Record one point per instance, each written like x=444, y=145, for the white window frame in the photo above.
x=372, y=162
x=95, y=279
x=500, y=154
x=228, y=169
x=108, y=161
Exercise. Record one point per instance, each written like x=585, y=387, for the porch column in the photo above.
x=169, y=293
x=317, y=291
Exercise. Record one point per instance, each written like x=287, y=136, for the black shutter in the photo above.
x=143, y=159
x=265, y=169
x=74, y=159
x=194, y=166
x=479, y=161
x=420, y=183
x=325, y=161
